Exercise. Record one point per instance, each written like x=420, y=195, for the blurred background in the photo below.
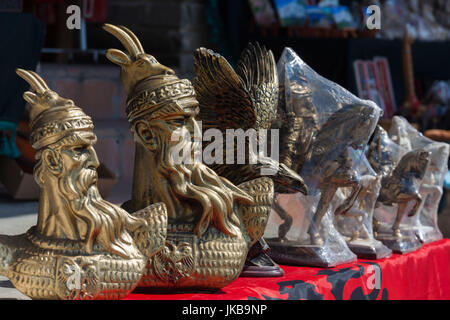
x=403, y=65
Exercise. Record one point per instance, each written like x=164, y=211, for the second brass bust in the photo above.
x=212, y=222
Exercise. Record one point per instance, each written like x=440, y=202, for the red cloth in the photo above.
x=423, y=274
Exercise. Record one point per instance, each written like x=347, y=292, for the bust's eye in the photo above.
x=179, y=121
x=79, y=149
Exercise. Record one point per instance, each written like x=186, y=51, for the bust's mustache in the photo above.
x=102, y=221
x=186, y=151
x=86, y=179
x=188, y=178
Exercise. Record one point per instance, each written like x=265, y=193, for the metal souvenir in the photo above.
x=82, y=247
x=401, y=174
x=322, y=127
x=211, y=222
x=245, y=100
x=356, y=224
x=431, y=190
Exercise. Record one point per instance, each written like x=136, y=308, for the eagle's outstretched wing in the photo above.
x=243, y=99
x=258, y=70
x=229, y=99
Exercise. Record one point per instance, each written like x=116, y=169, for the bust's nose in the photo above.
x=92, y=160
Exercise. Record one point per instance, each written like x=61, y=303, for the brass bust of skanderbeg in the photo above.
x=211, y=222
x=82, y=247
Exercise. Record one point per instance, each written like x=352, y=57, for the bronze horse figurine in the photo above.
x=400, y=181
x=323, y=159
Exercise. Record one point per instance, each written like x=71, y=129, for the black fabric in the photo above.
x=22, y=36
x=343, y=282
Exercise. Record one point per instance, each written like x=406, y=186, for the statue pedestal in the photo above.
x=427, y=234
x=263, y=267
x=259, y=264
x=407, y=242
x=300, y=254
x=369, y=249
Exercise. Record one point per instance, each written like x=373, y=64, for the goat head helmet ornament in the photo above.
x=136, y=65
x=51, y=116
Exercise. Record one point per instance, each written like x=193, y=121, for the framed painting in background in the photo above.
x=263, y=12
x=291, y=12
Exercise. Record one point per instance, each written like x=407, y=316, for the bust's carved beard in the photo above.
x=195, y=182
x=101, y=221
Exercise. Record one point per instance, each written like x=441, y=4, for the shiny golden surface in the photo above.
x=82, y=247
x=243, y=99
x=211, y=222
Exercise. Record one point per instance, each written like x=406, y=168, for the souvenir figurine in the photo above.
x=401, y=174
x=426, y=221
x=322, y=124
x=211, y=222
x=244, y=101
x=356, y=224
x=82, y=247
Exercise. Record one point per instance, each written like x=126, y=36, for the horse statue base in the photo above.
x=370, y=249
x=304, y=254
x=406, y=241
x=359, y=236
x=427, y=234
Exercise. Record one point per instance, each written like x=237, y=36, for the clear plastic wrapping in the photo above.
x=401, y=172
x=431, y=189
x=356, y=224
x=323, y=132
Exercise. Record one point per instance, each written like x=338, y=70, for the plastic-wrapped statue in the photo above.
x=243, y=103
x=356, y=224
x=322, y=126
x=211, y=222
x=82, y=247
x=425, y=223
x=402, y=173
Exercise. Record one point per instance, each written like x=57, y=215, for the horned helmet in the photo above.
x=135, y=65
x=51, y=116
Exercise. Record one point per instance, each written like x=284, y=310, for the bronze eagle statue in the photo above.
x=241, y=100
x=244, y=101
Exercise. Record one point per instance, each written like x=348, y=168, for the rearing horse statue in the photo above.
x=400, y=181
x=327, y=163
x=322, y=127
